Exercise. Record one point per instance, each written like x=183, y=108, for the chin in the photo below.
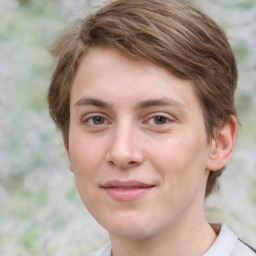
x=130, y=228
x=131, y=233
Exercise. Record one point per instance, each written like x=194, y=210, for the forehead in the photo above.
x=101, y=58
x=106, y=74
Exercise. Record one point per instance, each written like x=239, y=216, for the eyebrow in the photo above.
x=94, y=102
x=160, y=102
x=140, y=105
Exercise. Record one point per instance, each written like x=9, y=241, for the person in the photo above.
x=143, y=94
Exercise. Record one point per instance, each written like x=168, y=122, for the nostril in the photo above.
x=123, y=165
x=132, y=163
x=111, y=162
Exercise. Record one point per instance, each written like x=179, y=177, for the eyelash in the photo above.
x=90, y=120
x=159, y=117
x=152, y=120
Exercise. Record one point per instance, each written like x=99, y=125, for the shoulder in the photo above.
x=228, y=244
x=242, y=248
x=103, y=251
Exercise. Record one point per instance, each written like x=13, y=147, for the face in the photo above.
x=137, y=145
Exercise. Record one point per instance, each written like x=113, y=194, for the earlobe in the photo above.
x=66, y=145
x=222, y=146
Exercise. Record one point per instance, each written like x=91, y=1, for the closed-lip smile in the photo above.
x=126, y=190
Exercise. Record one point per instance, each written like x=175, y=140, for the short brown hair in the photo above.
x=172, y=34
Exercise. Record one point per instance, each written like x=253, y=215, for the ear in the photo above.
x=66, y=145
x=222, y=146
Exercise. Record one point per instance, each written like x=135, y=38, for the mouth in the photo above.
x=126, y=190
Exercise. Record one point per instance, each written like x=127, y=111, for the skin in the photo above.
x=132, y=120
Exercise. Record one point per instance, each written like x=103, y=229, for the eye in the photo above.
x=98, y=120
x=158, y=120
x=95, y=120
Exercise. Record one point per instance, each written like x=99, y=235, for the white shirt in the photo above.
x=226, y=244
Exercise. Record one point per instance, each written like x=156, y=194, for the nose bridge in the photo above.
x=124, y=148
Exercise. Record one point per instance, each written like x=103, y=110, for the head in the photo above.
x=171, y=34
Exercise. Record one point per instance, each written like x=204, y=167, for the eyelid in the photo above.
x=89, y=116
x=154, y=123
x=92, y=119
x=169, y=118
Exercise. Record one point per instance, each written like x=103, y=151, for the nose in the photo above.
x=125, y=150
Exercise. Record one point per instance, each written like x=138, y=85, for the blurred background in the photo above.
x=40, y=210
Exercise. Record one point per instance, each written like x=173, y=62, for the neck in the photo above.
x=192, y=237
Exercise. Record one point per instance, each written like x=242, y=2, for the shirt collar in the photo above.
x=223, y=245
x=225, y=242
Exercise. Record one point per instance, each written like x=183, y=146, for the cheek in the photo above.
x=86, y=160
x=86, y=154
x=180, y=161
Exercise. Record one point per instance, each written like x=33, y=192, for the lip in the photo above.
x=126, y=190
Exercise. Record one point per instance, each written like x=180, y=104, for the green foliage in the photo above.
x=244, y=103
x=246, y=4
x=24, y=2
x=38, y=196
x=252, y=190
